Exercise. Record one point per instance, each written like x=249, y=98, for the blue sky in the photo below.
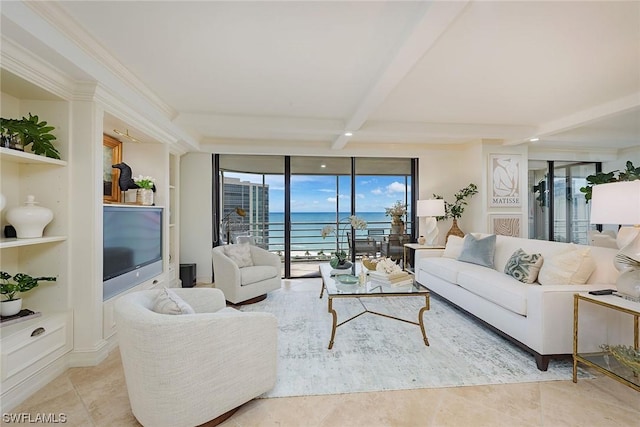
x=317, y=193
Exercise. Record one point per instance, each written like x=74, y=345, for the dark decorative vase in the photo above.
x=454, y=230
x=340, y=264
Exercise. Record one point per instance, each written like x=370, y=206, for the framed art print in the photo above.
x=504, y=180
x=505, y=224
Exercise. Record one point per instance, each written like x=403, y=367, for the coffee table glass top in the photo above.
x=350, y=286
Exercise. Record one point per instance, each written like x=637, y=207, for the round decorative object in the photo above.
x=10, y=307
x=422, y=240
x=370, y=264
x=144, y=196
x=335, y=263
x=29, y=220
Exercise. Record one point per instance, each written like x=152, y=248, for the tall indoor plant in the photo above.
x=12, y=285
x=397, y=211
x=454, y=210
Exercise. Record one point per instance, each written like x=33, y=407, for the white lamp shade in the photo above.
x=430, y=207
x=615, y=203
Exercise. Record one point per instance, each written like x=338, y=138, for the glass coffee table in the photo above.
x=348, y=287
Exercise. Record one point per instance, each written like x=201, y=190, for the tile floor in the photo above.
x=97, y=396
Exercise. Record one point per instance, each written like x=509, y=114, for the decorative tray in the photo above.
x=347, y=279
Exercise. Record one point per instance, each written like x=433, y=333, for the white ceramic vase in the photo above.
x=10, y=307
x=29, y=220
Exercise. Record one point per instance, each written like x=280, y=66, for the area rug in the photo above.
x=373, y=353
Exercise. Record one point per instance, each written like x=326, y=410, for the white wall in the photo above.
x=195, y=213
x=630, y=154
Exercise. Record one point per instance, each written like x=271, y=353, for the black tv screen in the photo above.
x=132, y=248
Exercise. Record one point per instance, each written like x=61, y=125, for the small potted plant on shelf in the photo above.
x=19, y=133
x=11, y=285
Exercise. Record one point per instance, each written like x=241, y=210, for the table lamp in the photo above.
x=430, y=209
x=619, y=203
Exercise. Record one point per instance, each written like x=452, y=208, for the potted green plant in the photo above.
x=11, y=285
x=31, y=131
x=454, y=210
x=631, y=173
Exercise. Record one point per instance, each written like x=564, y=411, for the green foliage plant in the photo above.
x=631, y=173
x=454, y=210
x=11, y=285
x=32, y=131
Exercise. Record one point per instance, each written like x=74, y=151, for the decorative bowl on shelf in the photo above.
x=626, y=355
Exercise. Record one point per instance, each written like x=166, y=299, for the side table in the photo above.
x=603, y=361
x=437, y=251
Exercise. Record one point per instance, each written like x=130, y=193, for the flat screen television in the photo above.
x=132, y=247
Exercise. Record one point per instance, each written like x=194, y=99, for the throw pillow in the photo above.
x=478, y=251
x=453, y=249
x=523, y=266
x=571, y=267
x=168, y=302
x=240, y=254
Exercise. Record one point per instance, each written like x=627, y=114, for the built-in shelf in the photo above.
x=7, y=154
x=14, y=243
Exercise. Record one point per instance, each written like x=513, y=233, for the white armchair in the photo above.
x=244, y=285
x=187, y=369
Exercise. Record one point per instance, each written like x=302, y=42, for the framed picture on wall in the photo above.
x=111, y=155
x=505, y=224
x=504, y=180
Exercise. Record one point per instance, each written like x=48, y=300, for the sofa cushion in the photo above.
x=168, y=302
x=496, y=287
x=257, y=273
x=571, y=267
x=478, y=250
x=523, y=266
x=240, y=254
x=453, y=249
x=444, y=268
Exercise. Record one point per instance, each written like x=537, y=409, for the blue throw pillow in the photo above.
x=478, y=251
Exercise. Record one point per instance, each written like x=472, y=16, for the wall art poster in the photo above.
x=505, y=225
x=504, y=180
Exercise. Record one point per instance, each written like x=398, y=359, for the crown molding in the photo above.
x=23, y=63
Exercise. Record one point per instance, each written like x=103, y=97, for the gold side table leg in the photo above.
x=575, y=338
x=335, y=321
x=321, y=288
x=421, y=320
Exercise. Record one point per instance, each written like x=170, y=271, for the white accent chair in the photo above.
x=246, y=284
x=187, y=369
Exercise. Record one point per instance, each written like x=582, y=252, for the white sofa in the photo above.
x=538, y=318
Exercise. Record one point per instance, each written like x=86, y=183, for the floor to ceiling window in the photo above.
x=558, y=210
x=288, y=200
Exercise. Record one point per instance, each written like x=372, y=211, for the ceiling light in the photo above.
x=323, y=166
x=126, y=135
x=348, y=134
x=534, y=139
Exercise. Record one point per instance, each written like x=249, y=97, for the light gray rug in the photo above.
x=373, y=353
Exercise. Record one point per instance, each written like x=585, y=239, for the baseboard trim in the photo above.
x=79, y=358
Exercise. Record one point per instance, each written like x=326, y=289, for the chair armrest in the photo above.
x=202, y=300
x=263, y=257
x=224, y=269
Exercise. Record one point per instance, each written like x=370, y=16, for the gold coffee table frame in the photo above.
x=334, y=290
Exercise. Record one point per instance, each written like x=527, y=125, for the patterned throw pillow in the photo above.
x=168, y=302
x=571, y=267
x=523, y=266
x=240, y=254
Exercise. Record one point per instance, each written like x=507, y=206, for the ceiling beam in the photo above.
x=584, y=117
x=436, y=18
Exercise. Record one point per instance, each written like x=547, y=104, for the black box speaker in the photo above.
x=188, y=275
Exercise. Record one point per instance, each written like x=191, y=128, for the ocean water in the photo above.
x=306, y=230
